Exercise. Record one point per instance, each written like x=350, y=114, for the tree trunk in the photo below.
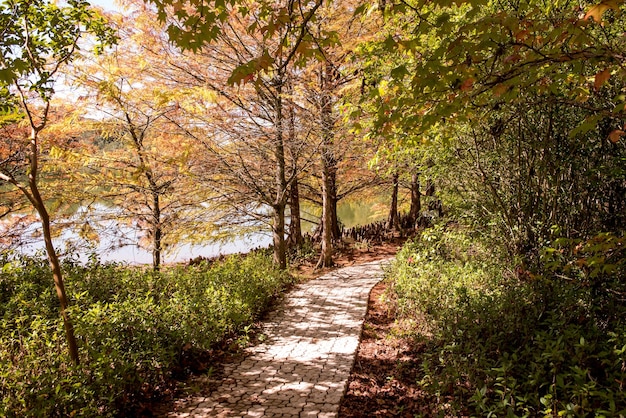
x=278, y=230
x=53, y=259
x=393, y=220
x=280, y=248
x=157, y=232
x=326, y=257
x=416, y=203
x=295, y=224
x=430, y=188
x=328, y=169
x=334, y=218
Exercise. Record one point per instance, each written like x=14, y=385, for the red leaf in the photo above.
x=467, y=84
x=616, y=135
x=500, y=89
x=513, y=59
x=601, y=78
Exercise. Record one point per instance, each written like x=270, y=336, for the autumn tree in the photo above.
x=252, y=54
x=324, y=82
x=38, y=39
x=139, y=160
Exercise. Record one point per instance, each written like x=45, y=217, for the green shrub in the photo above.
x=500, y=344
x=133, y=326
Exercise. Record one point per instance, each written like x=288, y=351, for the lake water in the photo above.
x=119, y=242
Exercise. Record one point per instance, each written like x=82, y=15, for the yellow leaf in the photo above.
x=601, y=78
x=598, y=10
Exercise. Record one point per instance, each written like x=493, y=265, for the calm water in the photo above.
x=119, y=243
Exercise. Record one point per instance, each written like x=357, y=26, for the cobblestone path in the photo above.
x=302, y=368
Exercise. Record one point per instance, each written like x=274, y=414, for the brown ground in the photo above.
x=350, y=255
x=384, y=379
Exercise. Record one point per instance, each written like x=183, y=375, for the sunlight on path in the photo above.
x=302, y=369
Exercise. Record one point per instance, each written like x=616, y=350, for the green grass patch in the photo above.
x=134, y=328
x=503, y=344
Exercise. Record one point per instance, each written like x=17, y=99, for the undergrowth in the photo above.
x=135, y=329
x=501, y=341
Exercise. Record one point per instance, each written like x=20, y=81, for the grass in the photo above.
x=136, y=330
x=502, y=344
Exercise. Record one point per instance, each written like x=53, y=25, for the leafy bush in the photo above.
x=504, y=344
x=134, y=327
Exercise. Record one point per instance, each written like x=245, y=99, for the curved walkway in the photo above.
x=302, y=368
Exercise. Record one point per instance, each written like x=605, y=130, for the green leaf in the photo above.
x=399, y=72
x=7, y=76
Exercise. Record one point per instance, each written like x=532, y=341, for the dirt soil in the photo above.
x=384, y=379
x=349, y=255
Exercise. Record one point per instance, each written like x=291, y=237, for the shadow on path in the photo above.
x=302, y=368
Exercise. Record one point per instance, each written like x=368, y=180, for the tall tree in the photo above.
x=251, y=61
x=326, y=81
x=38, y=39
x=145, y=164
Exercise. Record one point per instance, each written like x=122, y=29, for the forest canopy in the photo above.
x=493, y=130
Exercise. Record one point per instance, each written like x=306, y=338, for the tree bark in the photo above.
x=295, y=223
x=328, y=168
x=334, y=217
x=280, y=248
x=393, y=220
x=416, y=203
x=278, y=229
x=157, y=232
x=53, y=259
x=430, y=188
x=326, y=257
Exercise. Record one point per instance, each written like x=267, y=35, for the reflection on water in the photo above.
x=118, y=242
x=350, y=212
x=353, y=213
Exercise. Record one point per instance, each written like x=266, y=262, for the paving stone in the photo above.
x=301, y=368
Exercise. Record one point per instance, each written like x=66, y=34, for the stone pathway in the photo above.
x=302, y=368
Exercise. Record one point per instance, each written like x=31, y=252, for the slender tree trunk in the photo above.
x=295, y=224
x=416, y=203
x=334, y=217
x=430, y=188
x=328, y=168
x=278, y=229
x=157, y=232
x=53, y=259
x=393, y=220
x=280, y=248
x=326, y=257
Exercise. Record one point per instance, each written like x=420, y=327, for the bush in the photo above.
x=134, y=329
x=500, y=344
